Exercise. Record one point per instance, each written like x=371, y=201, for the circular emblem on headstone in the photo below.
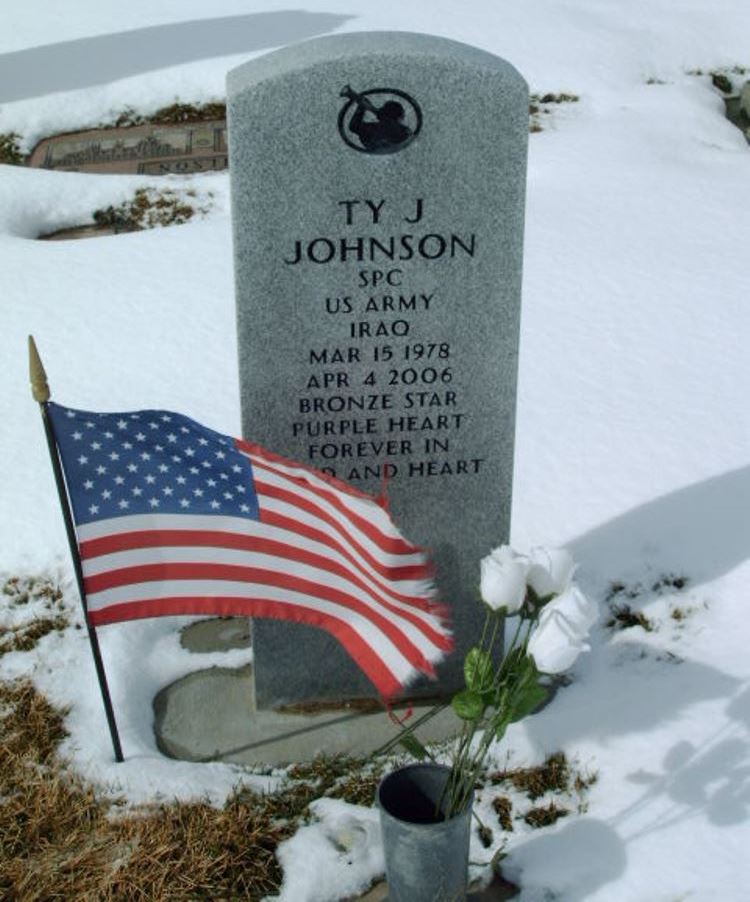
x=381, y=120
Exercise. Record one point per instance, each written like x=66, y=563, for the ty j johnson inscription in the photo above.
x=363, y=248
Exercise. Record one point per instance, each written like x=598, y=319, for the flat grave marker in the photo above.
x=150, y=149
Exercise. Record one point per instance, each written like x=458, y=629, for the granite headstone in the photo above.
x=378, y=186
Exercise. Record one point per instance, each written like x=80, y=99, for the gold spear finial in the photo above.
x=39, y=387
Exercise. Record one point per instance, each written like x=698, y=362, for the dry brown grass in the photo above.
x=149, y=208
x=624, y=617
x=60, y=840
x=553, y=775
x=545, y=815
x=10, y=149
x=504, y=810
x=542, y=104
x=352, y=780
x=175, y=113
x=43, y=595
x=25, y=637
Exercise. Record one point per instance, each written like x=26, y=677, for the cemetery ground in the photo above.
x=84, y=831
x=632, y=444
x=60, y=834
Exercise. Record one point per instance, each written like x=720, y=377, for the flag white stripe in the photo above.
x=102, y=529
x=362, y=506
x=292, y=568
x=325, y=506
x=287, y=509
x=282, y=508
x=394, y=660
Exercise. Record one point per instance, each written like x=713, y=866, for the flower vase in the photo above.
x=426, y=856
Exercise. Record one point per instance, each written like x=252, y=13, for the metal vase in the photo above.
x=426, y=859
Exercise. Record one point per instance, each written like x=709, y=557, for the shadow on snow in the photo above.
x=81, y=63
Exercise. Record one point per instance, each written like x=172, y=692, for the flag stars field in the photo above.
x=123, y=474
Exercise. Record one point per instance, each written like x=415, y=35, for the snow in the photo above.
x=337, y=856
x=633, y=425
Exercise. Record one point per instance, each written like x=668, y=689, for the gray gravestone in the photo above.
x=378, y=184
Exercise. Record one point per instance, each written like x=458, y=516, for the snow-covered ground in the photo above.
x=633, y=441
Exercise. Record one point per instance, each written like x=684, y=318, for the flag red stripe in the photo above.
x=407, y=571
x=305, y=504
x=424, y=571
x=98, y=582
x=392, y=544
x=223, y=606
x=258, y=575
x=264, y=455
x=341, y=495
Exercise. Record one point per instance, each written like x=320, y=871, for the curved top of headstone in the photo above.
x=361, y=44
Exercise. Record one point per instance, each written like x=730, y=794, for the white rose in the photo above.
x=561, y=632
x=503, y=579
x=580, y=612
x=551, y=571
x=554, y=646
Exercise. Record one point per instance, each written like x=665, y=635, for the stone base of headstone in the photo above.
x=216, y=634
x=209, y=716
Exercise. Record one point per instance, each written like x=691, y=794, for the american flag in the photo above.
x=174, y=518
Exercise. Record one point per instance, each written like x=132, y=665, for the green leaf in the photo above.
x=468, y=705
x=413, y=746
x=500, y=698
x=488, y=696
x=529, y=701
x=514, y=661
x=500, y=729
x=478, y=669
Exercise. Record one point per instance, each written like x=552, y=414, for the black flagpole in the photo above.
x=41, y=393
